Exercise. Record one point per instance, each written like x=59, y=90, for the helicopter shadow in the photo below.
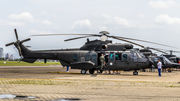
x=93, y=75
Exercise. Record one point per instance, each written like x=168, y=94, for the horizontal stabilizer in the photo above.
x=28, y=60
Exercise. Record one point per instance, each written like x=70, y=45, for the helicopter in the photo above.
x=152, y=56
x=114, y=47
x=120, y=56
x=171, y=57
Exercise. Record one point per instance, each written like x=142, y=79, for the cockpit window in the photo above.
x=135, y=56
x=139, y=56
x=167, y=60
x=131, y=55
x=155, y=59
x=142, y=55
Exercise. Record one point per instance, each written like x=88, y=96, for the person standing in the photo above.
x=106, y=63
x=159, y=64
x=102, y=59
x=67, y=68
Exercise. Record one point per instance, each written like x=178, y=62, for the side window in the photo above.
x=111, y=57
x=132, y=55
x=94, y=57
x=124, y=57
x=118, y=56
x=87, y=58
x=75, y=57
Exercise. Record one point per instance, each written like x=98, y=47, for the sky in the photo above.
x=152, y=20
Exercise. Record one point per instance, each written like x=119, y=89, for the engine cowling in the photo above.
x=104, y=47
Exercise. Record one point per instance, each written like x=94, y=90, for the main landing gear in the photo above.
x=91, y=71
x=135, y=72
x=83, y=71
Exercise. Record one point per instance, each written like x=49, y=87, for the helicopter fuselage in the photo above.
x=88, y=60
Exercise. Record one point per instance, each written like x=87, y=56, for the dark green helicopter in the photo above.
x=171, y=57
x=120, y=56
x=166, y=63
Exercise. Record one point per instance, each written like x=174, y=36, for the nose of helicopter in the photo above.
x=175, y=65
x=151, y=62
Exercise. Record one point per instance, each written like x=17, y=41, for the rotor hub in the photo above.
x=104, y=32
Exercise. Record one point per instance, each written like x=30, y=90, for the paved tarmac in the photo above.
x=58, y=72
x=53, y=82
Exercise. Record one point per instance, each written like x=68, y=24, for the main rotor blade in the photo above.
x=25, y=40
x=144, y=41
x=19, y=50
x=9, y=44
x=80, y=37
x=128, y=41
x=158, y=50
x=176, y=51
x=166, y=50
x=16, y=34
x=60, y=34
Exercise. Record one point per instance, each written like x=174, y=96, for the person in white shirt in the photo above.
x=159, y=64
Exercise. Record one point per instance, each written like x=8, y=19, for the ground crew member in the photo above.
x=102, y=59
x=159, y=64
x=67, y=68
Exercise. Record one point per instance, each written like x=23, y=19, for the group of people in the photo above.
x=104, y=61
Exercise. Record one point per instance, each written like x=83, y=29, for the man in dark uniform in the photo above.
x=102, y=59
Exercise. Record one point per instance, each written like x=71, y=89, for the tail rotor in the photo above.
x=17, y=43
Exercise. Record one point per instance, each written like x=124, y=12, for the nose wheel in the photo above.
x=135, y=72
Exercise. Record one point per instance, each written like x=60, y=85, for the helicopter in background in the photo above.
x=171, y=57
x=166, y=63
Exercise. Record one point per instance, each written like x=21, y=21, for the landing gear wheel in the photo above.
x=91, y=71
x=135, y=73
x=83, y=71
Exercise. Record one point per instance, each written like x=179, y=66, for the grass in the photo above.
x=35, y=82
x=17, y=63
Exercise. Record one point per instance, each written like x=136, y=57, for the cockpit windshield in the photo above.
x=138, y=54
x=166, y=60
x=155, y=59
